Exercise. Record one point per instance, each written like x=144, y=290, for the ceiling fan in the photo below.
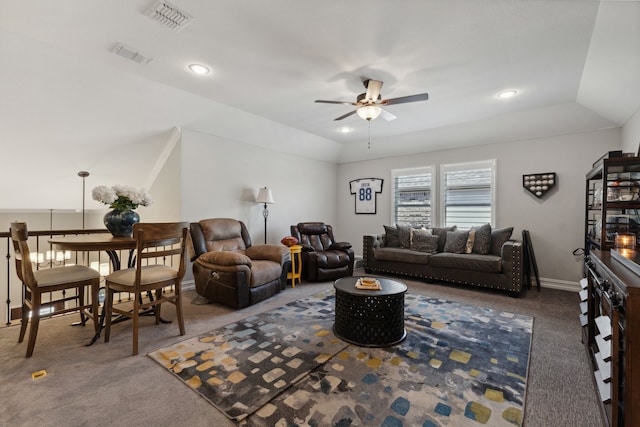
x=369, y=104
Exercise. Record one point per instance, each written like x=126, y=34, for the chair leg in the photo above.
x=135, y=318
x=24, y=322
x=81, y=302
x=35, y=322
x=108, y=307
x=178, y=304
x=157, y=307
x=95, y=304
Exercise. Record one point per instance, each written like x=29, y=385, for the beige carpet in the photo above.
x=103, y=385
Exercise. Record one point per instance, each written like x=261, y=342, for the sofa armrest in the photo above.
x=369, y=243
x=223, y=258
x=341, y=246
x=275, y=253
x=513, y=262
x=375, y=240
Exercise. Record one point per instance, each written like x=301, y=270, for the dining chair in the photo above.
x=156, y=244
x=51, y=281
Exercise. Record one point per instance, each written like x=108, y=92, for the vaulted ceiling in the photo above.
x=68, y=102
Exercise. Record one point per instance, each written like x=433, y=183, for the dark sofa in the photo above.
x=500, y=266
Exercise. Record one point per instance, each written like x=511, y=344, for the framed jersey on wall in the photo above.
x=365, y=190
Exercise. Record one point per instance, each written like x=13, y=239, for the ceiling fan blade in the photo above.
x=373, y=90
x=405, y=99
x=335, y=102
x=345, y=116
x=387, y=115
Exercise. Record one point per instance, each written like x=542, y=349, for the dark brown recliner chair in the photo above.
x=322, y=257
x=229, y=270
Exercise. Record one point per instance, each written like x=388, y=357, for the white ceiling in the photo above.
x=68, y=100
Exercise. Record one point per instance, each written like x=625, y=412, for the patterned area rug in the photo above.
x=459, y=365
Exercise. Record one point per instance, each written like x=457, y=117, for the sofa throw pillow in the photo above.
x=456, y=242
x=423, y=241
x=441, y=232
x=391, y=236
x=498, y=237
x=470, y=240
x=404, y=234
x=482, y=240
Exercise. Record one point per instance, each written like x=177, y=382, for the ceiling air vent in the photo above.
x=130, y=53
x=169, y=15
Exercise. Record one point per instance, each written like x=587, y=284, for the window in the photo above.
x=468, y=191
x=412, y=195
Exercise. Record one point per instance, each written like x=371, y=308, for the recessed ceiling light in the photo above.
x=199, y=69
x=509, y=93
x=344, y=129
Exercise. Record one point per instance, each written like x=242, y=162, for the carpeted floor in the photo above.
x=103, y=385
x=458, y=363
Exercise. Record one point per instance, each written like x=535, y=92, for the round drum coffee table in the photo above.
x=370, y=318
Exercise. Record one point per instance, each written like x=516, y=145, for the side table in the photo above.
x=296, y=264
x=369, y=318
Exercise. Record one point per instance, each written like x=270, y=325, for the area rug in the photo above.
x=459, y=365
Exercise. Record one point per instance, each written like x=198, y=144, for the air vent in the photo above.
x=169, y=15
x=131, y=54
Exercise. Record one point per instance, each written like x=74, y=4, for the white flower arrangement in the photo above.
x=122, y=197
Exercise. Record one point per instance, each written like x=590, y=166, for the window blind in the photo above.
x=468, y=194
x=412, y=195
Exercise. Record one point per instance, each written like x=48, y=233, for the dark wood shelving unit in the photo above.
x=612, y=202
x=610, y=299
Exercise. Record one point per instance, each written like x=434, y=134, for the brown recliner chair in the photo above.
x=322, y=257
x=229, y=270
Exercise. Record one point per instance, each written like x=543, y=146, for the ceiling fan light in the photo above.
x=369, y=112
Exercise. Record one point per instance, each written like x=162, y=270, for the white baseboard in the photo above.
x=563, y=285
x=187, y=285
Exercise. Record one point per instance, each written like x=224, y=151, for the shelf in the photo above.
x=604, y=346
x=583, y=295
x=603, y=367
x=583, y=319
x=604, y=326
x=603, y=388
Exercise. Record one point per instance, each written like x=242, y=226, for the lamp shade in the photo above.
x=369, y=112
x=265, y=196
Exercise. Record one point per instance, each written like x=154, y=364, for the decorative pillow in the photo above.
x=423, y=241
x=470, y=240
x=391, y=236
x=456, y=241
x=482, y=242
x=498, y=237
x=442, y=234
x=404, y=234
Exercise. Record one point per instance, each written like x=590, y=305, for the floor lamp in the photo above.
x=83, y=175
x=265, y=196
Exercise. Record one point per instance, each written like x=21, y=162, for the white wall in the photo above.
x=221, y=178
x=165, y=192
x=555, y=222
x=631, y=134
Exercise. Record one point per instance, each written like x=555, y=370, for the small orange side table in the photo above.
x=296, y=264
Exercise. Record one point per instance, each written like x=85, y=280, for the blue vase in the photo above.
x=120, y=223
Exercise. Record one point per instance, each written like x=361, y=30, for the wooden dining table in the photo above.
x=96, y=243
x=112, y=246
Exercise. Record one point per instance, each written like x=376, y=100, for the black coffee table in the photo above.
x=370, y=318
